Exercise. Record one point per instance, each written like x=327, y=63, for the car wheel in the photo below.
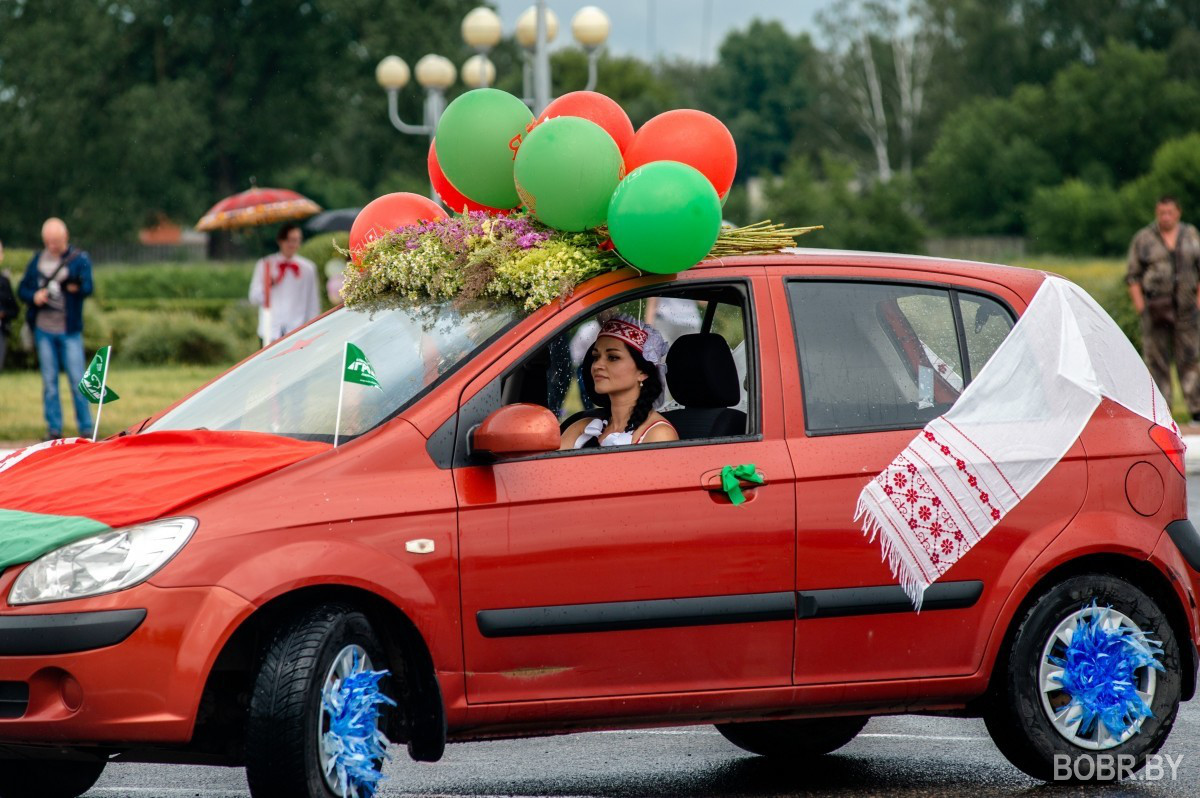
x=1091, y=643
x=794, y=739
x=47, y=778
x=302, y=738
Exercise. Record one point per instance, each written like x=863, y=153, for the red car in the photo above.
x=511, y=589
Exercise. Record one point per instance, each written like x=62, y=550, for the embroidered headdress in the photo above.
x=639, y=335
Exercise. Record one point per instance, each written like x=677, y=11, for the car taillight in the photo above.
x=1172, y=446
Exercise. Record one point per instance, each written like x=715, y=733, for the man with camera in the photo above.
x=56, y=282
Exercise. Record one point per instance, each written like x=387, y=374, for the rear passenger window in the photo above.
x=985, y=323
x=875, y=356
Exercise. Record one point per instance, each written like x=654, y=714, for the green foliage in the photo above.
x=125, y=322
x=763, y=85
x=1175, y=171
x=173, y=281
x=323, y=248
x=1077, y=218
x=181, y=338
x=873, y=218
x=167, y=105
x=203, y=307
x=986, y=165
x=96, y=332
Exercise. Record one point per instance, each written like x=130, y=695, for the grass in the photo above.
x=1094, y=275
x=143, y=391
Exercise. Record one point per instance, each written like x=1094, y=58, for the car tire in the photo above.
x=793, y=739
x=284, y=755
x=1019, y=715
x=47, y=778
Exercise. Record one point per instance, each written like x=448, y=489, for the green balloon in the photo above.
x=664, y=217
x=566, y=171
x=476, y=141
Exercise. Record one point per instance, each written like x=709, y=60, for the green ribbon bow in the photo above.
x=733, y=476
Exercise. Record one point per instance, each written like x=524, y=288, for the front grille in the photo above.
x=14, y=699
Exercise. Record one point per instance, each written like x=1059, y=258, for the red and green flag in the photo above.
x=61, y=491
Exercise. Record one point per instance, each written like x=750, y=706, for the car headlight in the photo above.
x=103, y=563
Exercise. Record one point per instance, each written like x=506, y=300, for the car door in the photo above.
x=629, y=571
x=876, y=358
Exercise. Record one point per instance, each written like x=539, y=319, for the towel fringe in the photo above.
x=912, y=584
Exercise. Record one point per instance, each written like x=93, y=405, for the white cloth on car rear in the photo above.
x=969, y=468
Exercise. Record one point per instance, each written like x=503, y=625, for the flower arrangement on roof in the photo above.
x=545, y=204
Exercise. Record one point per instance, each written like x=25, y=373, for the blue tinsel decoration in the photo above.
x=1099, y=669
x=359, y=746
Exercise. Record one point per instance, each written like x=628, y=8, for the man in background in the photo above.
x=1164, y=283
x=8, y=308
x=284, y=287
x=57, y=281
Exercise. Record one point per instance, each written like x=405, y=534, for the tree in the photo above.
x=878, y=61
x=762, y=87
x=110, y=112
x=986, y=164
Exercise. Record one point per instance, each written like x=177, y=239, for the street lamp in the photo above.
x=482, y=30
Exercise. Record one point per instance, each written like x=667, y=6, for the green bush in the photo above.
x=181, y=338
x=320, y=249
x=1080, y=219
x=1176, y=171
x=204, y=307
x=125, y=322
x=96, y=332
x=240, y=319
x=173, y=281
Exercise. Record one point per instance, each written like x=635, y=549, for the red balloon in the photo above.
x=453, y=198
x=594, y=107
x=695, y=138
x=386, y=213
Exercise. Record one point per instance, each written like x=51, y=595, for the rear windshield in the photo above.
x=291, y=388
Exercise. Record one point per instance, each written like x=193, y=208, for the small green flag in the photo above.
x=358, y=368
x=93, y=379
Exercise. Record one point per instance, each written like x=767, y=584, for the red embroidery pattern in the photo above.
x=933, y=528
x=972, y=479
x=629, y=333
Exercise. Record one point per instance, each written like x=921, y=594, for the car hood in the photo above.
x=62, y=491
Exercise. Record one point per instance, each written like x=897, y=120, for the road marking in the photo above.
x=924, y=736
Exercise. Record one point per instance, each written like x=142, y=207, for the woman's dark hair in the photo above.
x=652, y=388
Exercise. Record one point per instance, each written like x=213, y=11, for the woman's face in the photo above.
x=613, y=369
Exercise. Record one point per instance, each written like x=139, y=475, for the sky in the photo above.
x=672, y=28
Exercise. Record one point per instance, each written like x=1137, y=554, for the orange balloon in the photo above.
x=385, y=214
x=454, y=199
x=594, y=107
x=695, y=138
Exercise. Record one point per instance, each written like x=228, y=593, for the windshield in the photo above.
x=292, y=387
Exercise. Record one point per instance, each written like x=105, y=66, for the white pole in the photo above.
x=337, y=425
x=103, y=383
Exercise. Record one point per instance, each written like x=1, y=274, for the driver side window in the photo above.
x=709, y=377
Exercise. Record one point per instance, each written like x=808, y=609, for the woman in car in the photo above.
x=627, y=363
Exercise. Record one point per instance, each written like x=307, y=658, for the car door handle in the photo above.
x=711, y=480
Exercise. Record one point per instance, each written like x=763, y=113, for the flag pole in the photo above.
x=337, y=425
x=103, y=383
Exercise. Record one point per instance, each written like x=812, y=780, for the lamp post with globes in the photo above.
x=482, y=30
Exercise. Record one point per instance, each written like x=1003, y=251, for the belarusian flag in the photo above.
x=124, y=481
x=94, y=380
x=358, y=368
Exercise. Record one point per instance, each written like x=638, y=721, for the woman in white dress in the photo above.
x=627, y=365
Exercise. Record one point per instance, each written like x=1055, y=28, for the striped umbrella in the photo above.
x=257, y=206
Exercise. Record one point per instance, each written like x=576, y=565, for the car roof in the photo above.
x=1021, y=280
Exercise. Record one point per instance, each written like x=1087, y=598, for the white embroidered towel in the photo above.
x=969, y=468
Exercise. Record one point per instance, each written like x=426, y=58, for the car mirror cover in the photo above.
x=517, y=429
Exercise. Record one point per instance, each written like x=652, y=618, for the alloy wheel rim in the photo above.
x=1064, y=715
x=351, y=660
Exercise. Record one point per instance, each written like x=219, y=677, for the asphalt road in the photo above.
x=910, y=756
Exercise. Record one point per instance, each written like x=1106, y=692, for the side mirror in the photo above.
x=515, y=430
